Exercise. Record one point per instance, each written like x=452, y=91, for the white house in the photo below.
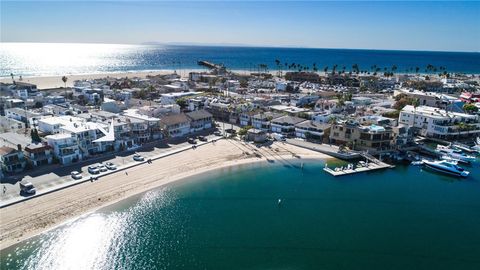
x=311, y=130
x=65, y=148
x=437, y=123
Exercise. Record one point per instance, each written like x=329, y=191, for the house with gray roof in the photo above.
x=285, y=124
x=200, y=120
x=175, y=125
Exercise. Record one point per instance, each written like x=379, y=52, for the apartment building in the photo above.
x=438, y=123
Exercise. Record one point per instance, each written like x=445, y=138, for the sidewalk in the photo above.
x=19, y=198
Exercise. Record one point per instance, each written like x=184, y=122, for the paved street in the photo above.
x=58, y=175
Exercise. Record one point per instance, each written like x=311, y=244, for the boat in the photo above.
x=476, y=147
x=450, y=159
x=455, y=154
x=462, y=147
x=446, y=167
x=416, y=163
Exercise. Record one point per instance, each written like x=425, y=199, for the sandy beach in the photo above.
x=47, y=82
x=26, y=219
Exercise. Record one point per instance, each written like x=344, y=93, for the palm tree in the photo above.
x=64, y=79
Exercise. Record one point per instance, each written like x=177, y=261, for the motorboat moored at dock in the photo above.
x=446, y=167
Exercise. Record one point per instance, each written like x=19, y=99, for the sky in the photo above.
x=412, y=25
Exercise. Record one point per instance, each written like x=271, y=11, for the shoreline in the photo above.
x=45, y=82
x=33, y=217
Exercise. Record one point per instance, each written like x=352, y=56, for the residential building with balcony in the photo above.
x=65, y=148
x=175, y=125
x=437, y=123
x=311, y=130
x=262, y=120
x=200, y=120
x=38, y=154
x=371, y=138
x=12, y=160
x=152, y=131
x=285, y=124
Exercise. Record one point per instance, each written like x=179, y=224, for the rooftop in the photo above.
x=435, y=112
x=174, y=119
x=200, y=114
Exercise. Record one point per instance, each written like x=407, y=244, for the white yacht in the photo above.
x=446, y=167
x=455, y=154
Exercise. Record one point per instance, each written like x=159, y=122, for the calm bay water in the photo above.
x=43, y=59
x=402, y=218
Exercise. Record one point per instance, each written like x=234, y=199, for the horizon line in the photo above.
x=240, y=45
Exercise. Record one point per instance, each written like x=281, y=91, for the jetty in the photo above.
x=371, y=164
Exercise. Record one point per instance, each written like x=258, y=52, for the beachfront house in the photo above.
x=437, y=123
x=200, y=120
x=175, y=125
x=370, y=138
x=256, y=135
x=65, y=148
x=148, y=128
x=12, y=160
x=311, y=130
x=38, y=154
x=246, y=118
x=285, y=124
x=262, y=120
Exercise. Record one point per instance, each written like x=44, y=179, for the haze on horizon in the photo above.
x=431, y=26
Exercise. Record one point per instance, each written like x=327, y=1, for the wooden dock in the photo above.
x=373, y=164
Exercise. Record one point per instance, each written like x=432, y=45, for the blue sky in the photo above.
x=445, y=26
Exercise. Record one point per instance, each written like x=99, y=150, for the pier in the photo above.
x=209, y=65
x=371, y=165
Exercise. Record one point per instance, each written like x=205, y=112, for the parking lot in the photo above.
x=57, y=175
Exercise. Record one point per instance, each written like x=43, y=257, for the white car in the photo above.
x=76, y=175
x=93, y=169
x=102, y=167
x=110, y=166
x=137, y=157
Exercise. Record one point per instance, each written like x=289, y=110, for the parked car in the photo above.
x=137, y=157
x=217, y=133
x=110, y=166
x=192, y=141
x=230, y=131
x=93, y=169
x=76, y=175
x=278, y=137
x=102, y=167
x=27, y=187
x=202, y=138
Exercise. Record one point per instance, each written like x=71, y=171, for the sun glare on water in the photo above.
x=69, y=58
x=94, y=241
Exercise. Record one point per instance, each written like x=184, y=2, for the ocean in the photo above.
x=402, y=218
x=52, y=59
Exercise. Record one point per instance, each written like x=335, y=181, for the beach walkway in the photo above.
x=123, y=167
x=331, y=150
